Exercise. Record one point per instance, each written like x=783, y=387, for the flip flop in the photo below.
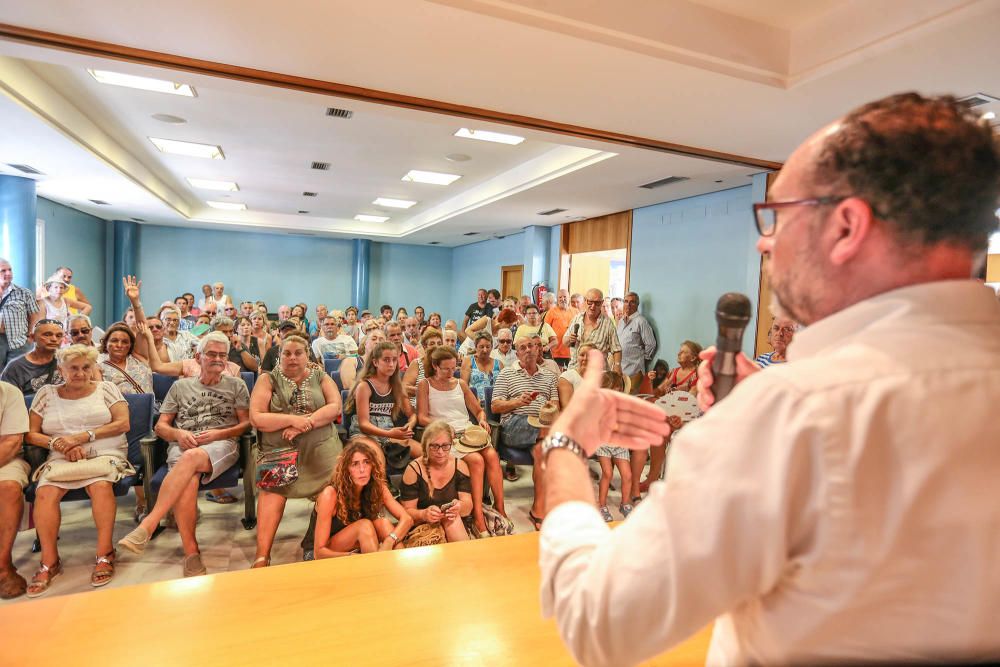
x=535, y=521
x=510, y=474
x=225, y=499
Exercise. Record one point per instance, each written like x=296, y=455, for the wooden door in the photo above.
x=511, y=280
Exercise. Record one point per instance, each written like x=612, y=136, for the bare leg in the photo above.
x=270, y=508
x=360, y=534
x=625, y=472
x=382, y=529
x=47, y=520
x=186, y=515
x=454, y=531
x=476, y=468
x=602, y=486
x=538, y=479
x=495, y=477
x=657, y=455
x=104, y=508
x=416, y=451
x=11, y=507
x=192, y=463
x=636, y=462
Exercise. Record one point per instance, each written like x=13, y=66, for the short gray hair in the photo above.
x=71, y=352
x=213, y=337
x=169, y=309
x=79, y=316
x=221, y=321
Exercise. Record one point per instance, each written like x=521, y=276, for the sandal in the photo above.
x=224, y=498
x=535, y=521
x=104, y=570
x=38, y=585
x=606, y=514
x=12, y=585
x=266, y=560
x=510, y=474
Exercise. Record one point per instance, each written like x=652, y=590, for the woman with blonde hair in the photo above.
x=379, y=404
x=349, y=510
x=436, y=488
x=82, y=423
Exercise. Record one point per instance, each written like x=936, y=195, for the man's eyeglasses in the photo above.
x=504, y=341
x=80, y=332
x=595, y=302
x=766, y=214
x=439, y=448
x=216, y=355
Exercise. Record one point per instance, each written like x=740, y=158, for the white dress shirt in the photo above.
x=842, y=506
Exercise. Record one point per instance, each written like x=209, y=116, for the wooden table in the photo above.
x=473, y=603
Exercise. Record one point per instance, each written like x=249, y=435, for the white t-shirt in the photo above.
x=342, y=346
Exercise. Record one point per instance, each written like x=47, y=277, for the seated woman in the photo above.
x=442, y=396
x=401, y=315
x=434, y=321
x=351, y=366
x=294, y=406
x=659, y=374
x=571, y=378
x=435, y=479
x=416, y=372
x=349, y=510
x=81, y=422
x=299, y=316
x=480, y=370
x=184, y=369
x=378, y=402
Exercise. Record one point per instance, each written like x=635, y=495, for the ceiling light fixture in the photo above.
x=361, y=217
x=188, y=148
x=227, y=205
x=394, y=203
x=206, y=184
x=495, y=137
x=457, y=157
x=142, y=83
x=430, y=177
x=989, y=115
x=168, y=118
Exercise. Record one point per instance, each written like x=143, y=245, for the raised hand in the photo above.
x=131, y=285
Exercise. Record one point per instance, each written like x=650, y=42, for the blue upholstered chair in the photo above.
x=510, y=454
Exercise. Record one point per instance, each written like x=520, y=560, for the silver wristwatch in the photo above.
x=91, y=436
x=558, y=440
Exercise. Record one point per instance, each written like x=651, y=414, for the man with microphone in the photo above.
x=840, y=507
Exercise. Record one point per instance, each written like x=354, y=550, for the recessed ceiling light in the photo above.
x=457, y=157
x=227, y=205
x=394, y=203
x=205, y=184
x=310, y=194
x=431, y=177
x=142, y=83
x=989, y=115
x=100, y=202
x=188, y=148
x=361, y=217
x=168, y=118
x=495, y=137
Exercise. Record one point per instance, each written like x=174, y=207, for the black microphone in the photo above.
x=732, y=314
x=576, y=332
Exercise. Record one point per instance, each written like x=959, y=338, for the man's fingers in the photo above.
x=744, y=366
x=595, y=369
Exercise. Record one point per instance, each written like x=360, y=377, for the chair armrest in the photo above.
x=147, y=446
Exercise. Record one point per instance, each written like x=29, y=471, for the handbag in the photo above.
x=424, y=535
x=277, y=469
x=74, y=471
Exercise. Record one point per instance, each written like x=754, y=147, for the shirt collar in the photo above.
x=951, y=301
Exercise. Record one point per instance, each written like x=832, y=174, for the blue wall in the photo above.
x=478, y=265
x=77, y=240
x=271, y=267
x=687, y=253
x=412, y=275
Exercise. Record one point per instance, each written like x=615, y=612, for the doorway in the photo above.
x=511, y=280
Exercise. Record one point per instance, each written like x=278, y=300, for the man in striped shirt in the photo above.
x=18, y=314
x=520, y=392
x=594, y=327
x=779, y=336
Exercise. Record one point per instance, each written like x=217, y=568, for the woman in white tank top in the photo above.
x=443, y=396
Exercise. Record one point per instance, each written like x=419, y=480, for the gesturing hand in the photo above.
x=598, y=416
x=131, y=285
x=744, y=369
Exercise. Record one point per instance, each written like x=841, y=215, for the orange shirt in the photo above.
x=559, y=319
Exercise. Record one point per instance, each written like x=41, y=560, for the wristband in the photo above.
x=394, y=538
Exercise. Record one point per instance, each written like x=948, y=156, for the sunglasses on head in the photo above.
x=43, y=322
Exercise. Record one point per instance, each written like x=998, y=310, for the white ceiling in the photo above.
x=746, y=78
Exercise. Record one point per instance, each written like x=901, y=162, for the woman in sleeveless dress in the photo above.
x=417, y=371
x=294, y=406
x=379, y=406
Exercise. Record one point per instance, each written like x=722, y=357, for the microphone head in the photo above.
x=733, y=310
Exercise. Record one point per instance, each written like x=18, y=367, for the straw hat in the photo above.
x=546, y=416
x=474, y=439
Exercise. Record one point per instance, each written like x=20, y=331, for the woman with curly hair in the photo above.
x=349, y=511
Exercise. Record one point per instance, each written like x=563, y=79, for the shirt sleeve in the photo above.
x=501, y=389
x=169, y=405
x=613, y=342
x=111, y=394
x=409, y=491
x=569, y=329
x=351, y=345
x=648, y=339
x=547, y=332
x=242, y=395
x=741, y=500
x=41, y=400
x=14, y=418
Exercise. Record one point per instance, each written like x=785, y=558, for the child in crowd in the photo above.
x=613, y=457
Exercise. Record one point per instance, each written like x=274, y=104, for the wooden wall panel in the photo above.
x=764, y=317
x=608, y=232
x=993, y=269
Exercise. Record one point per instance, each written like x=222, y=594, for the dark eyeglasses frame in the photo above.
x=778, y=205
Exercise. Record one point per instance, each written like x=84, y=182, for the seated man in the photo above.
x=82, y=331
x=407, y=353
x=779, y=336
x=38, y=367
x=316, y=326
x=13, y=479
x=504, y=350
x=270, y=360
x=332, y=341
x=238, y=353
x=520, y=392
x=202, y=418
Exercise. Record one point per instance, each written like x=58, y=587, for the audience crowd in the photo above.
x=427, y=408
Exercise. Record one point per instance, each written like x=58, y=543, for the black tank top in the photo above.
x=380, y=404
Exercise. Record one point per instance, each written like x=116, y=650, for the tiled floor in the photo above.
x=225, y=545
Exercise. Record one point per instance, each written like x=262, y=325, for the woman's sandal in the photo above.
x=42, y=579
x=535, y=521
x=263, y=561
x=104, y=570
x=224, y=498
x=510, y=474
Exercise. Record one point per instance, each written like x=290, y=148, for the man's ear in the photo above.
x=849, y=227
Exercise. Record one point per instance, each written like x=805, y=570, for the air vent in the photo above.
x=322, y=166
x=26, y=168
x=137, y=219
x=309, y=194
x=434, y=243
x=100, y=202
x=552, y=211
x=303, y=212
x=339, y=113
x=978, y=100
x=664, y=181
x=470, y=234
